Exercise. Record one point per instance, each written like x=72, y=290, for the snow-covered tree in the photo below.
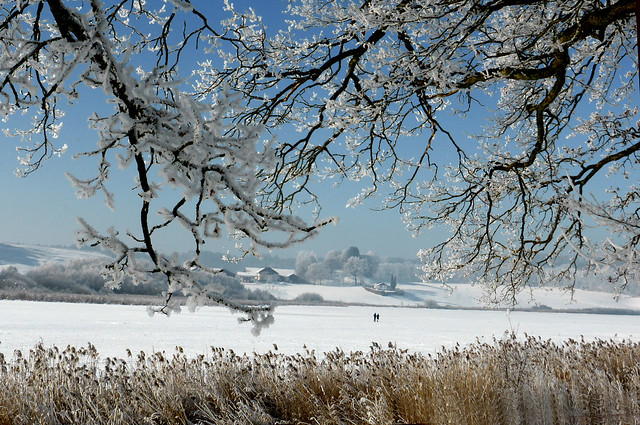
x=194, y=168
x=352, y=251
x=317, y=273
x=11, y=278
x=379, y=91
x=304, y=259
x=355, y=267
x=332, y=261
x=372, y=262
x=405, y=271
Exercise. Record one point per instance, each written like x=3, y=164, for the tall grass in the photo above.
x=508, y=381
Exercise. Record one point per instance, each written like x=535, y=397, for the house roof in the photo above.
x=254, y=271
x=285, y=272
x=257, y=270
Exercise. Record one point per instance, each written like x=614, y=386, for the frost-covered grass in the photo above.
x=507, y=381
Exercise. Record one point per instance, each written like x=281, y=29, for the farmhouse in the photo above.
x=383, y=288
x=268, y=274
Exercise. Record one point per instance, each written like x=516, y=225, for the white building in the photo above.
x=268, y=274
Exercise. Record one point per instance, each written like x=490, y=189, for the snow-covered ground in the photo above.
x=114, y=328
x=454, y=295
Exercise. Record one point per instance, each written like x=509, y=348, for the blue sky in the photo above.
x=42, y=208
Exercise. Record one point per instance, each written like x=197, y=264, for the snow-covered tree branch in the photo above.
x=191, y=170
x=378, y=91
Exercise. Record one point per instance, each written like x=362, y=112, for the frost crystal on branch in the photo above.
x=194, y=168
x=458, y=112
x=375, y=91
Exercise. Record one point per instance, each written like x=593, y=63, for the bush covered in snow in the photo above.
x=309, y=298
x=85, y=277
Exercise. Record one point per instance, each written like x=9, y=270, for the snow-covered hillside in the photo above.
x=455, y=295
x=26, y=257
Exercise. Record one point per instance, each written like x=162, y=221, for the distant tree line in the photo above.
x=351, y=264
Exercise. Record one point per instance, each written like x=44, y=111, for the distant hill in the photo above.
x=27, y=257
x=460, y=296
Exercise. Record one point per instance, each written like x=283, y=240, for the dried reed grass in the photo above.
x=509, y=381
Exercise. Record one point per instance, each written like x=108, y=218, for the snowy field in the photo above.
x=114, y=328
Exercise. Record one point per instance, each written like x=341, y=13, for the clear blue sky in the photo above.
x=42, y=208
